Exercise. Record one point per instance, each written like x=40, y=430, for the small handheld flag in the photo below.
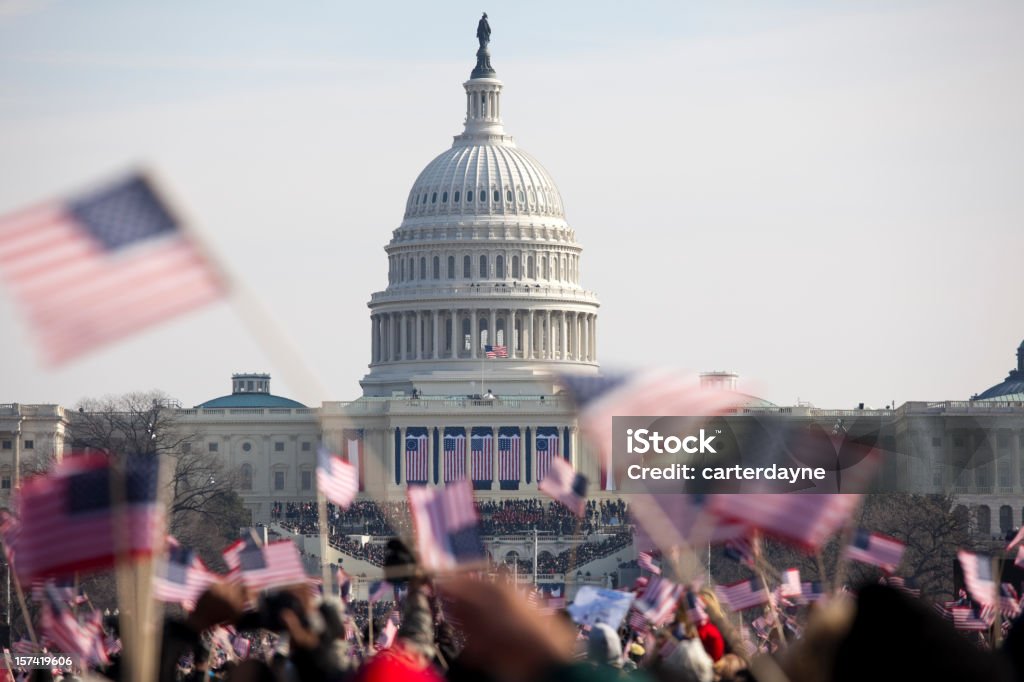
x=566, y=486
x=337, y=480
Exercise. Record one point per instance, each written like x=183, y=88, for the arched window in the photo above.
x=530, y=270
x=1005, y=519
x=483, y=196
x=423, y=267
x=499, y=267
x=497, y=196
x=544, y=266
x=508, y=196
x=437, y=268
x=515, y=267
x=403, y=269
x=483, y=267
x=433, y=198
x=412, y=269
x=444, y=198
x=469, y=196
x=456, y=197
x=467, y=267
x=451, y=267
x=983, y=517
x=246, y=476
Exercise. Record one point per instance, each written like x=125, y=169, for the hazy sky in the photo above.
x=825, y=199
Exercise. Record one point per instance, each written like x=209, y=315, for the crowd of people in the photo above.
x=472, y=629
x=497, y=518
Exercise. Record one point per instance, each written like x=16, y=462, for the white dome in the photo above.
x=484, y=179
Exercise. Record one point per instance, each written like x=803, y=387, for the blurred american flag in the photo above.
x=95, y=267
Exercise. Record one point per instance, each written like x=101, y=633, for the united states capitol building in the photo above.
x=483, y=310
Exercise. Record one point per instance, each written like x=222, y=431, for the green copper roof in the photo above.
x=251, y=400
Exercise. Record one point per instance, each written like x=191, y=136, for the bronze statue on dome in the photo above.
x=483, y=32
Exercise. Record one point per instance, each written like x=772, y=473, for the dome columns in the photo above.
x=430, y=334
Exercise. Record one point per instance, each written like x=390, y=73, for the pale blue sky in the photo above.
x=824, y=198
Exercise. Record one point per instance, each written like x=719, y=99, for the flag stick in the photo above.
x=774, y=609
x=997, y=629
x=142, y=625
x=369, y=621
x=321, y=508
x=822, y=575
x=24, y=611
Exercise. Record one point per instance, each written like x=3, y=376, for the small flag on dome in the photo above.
x=496, y=351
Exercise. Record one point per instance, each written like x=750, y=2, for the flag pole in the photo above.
x=321, y=509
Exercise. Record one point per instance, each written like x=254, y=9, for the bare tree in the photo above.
x=204, y=508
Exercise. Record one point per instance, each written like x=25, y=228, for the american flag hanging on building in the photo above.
x=496, y=351
x=481, y=456
x=447, y=533
x=276, y=564
x=508, y=456
x=416, y=457
x=335, y=479
x=547, y=447
x=70, y=508
x=454, y=457
x=99, y=266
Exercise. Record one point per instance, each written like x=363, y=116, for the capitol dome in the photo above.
x=484, y=266
x=480, y=180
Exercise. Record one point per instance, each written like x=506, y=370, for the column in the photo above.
x=456, y=334
x=585, y=341
x=549, y=337
x=492, y=328
x=430, y=456
x=373, y=338
x=437, y=318
x=528, y=338
x=417, y=317
x=577, y=340
x=563, y=342
x=522, y=459
x=399, y=458
x=389, y=344
x=403, y=336
x=593, y=337
x=440, y=458
x=474, y=334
